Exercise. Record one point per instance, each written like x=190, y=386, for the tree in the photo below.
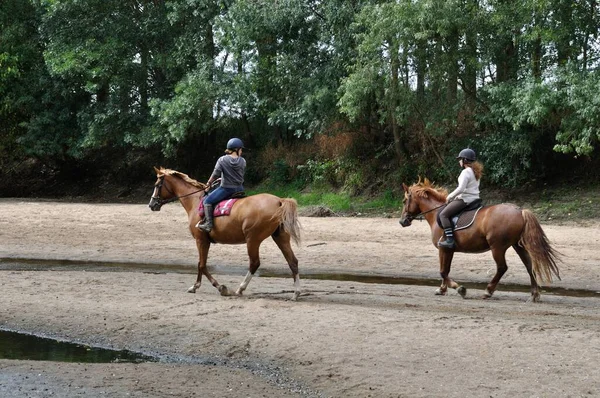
x=21, y=73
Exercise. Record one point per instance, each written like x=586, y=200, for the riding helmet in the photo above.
x=467, y=154
x=235, y=143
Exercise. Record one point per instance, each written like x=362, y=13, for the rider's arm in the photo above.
x=463, y=180
x=216, y=173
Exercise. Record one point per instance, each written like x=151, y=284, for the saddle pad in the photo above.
x=462, y=220
x=465, y=219
x=222, y=208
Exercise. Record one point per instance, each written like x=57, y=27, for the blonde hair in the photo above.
x=477, y=168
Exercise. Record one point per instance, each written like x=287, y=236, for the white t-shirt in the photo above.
x=468, y=186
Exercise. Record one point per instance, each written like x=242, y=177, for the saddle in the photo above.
x=465, y=218
x=223, y=208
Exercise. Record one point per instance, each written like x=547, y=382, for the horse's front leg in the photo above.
x=445, y=264
x=202, y=247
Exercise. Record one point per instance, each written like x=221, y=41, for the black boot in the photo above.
x=449, y=242
x=207, y=225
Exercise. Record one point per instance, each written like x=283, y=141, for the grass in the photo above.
x=572, y=203
x=338, y=202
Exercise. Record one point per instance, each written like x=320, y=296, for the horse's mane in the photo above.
x=427, y=188
x=183, y=176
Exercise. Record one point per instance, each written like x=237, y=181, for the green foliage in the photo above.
x=507, y=156
x=191, y=109
x=280, y=173
x=414, y=80
x=527, y=118
x=331, y=172
x=21, y=74
x=580, y=106
x=523, y=105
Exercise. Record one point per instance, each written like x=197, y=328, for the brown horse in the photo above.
x=252, y=220
x=495, y=228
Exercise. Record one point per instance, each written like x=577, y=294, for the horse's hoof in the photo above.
x=295, y=296
x=440, y=292
x=191, y=290
x=535, y=298
x=224, y=291
x=462, y=291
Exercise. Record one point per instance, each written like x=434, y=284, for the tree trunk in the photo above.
x=393, y=104
x=564, y=48
x=470, y=61
x=452, y=80
x=421, y=66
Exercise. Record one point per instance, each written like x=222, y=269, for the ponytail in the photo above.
x=477, y=168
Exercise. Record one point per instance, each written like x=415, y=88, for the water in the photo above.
x=7, y=264
x=21, y=346
x=394, y=280
x=15, y=345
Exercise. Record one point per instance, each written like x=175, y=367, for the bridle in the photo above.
x=411, y=217
x=158, y=187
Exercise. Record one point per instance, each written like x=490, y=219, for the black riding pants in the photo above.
x=450, y=211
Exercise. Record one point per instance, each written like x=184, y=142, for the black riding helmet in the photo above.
x=467, y=154
x=234, y=143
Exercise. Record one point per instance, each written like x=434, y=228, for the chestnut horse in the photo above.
x=495, y=228
x=252, y=220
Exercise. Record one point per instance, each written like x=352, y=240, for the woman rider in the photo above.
x=466, y=192
x=230, y=168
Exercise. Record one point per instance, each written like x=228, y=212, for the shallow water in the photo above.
x=10, y=264
x=22, y=346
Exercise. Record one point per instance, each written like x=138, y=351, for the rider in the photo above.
x=230, y=168
x=466, y=192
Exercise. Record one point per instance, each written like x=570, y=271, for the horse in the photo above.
x=252, y=220
x=495, y=228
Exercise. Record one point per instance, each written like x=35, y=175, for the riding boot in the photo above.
x=207, y=225
x=449, y=242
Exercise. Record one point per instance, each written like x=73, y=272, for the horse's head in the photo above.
x=419, y=199
x=162, y=193
x=173, y=185
x=410, y=207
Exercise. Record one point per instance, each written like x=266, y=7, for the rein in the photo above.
x=425, y=212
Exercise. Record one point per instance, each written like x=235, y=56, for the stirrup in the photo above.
x=204, y=226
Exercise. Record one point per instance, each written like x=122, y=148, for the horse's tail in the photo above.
x=543, y=256
x=287, y=214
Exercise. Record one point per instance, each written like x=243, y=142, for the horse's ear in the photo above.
x=404, y=187
x=156, y=170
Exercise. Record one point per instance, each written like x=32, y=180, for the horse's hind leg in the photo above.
x=499, y=257
x=526, y=258
x=282, y=239
x=252, y=246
